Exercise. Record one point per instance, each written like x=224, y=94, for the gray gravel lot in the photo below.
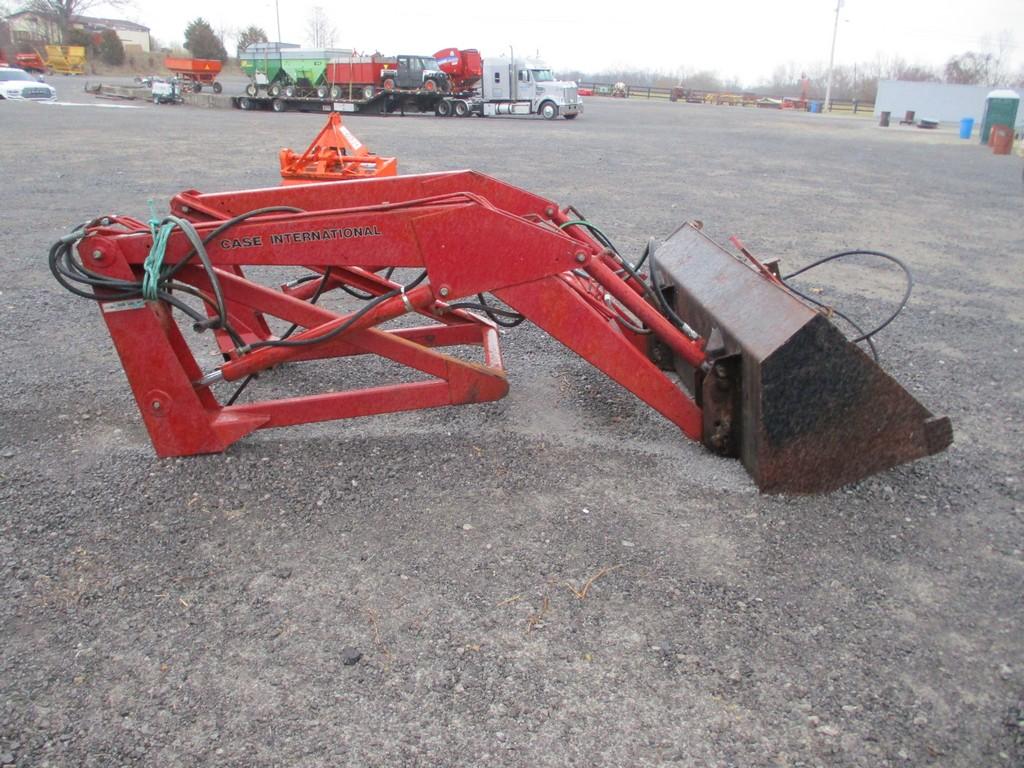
x=202, y=611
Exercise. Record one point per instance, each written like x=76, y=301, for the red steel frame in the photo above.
x=471, y=233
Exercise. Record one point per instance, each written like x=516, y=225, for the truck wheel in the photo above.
x=251, y=89
x=335, y=91
x=369, y=92
x=289, y=91
x=430, y=86
x=322, y=91
x=245, y=103
x=443, y=108
x=461, y=108
x=389, y=84
x=573, y=116
x=548, y=110
x=217, y=87
x=278, y=105
x=274, y=90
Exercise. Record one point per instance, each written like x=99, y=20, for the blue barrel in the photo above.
x=816, y=107
x=966, y=126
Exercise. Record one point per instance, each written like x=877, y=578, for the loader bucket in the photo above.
x=803, y=408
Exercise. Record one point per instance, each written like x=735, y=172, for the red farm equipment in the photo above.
x=354, y=77
x=334, y=155
x=30, y=62
x=762, y=375
x=195, y=73
x=463, y=67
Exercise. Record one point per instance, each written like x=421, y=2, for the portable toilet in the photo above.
x=1000, y=109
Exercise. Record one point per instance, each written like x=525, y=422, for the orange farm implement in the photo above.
x=196, y=73
x=711, y=339
x=30, y=62
x=334, y=155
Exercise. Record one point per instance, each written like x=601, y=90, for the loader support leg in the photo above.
x=181, y=420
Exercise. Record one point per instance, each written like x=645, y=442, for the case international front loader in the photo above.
x=713, y=340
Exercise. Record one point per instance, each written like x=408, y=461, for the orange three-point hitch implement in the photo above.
x=715, y=342
x=334, y=155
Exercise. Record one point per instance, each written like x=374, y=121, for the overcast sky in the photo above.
x=745, y=39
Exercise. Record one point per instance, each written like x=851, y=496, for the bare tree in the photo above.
x=1001, y=52
x=248, y=36
x=703, y=80
x=224, y=32
x=970, y=68
x=63, y=12
x=319, y=29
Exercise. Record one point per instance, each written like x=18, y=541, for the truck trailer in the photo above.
x=452, y=82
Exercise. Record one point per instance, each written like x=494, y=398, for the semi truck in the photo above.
x=504, y=87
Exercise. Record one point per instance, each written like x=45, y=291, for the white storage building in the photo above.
x=944, y=102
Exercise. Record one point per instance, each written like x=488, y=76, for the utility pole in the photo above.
x=277, y=9
x=832, y=59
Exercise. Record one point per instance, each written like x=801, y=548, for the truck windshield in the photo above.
x=543, y=75
x=14, y=74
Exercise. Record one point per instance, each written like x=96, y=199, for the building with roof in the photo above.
x=129, y=32
x=32, y=27
x=941, y=102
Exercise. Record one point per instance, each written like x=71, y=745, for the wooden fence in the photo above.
x=697, y=96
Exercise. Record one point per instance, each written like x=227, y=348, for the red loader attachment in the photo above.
x=769, y=380
x=334, y=155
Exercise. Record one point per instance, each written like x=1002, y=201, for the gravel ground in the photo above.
x=401, y=590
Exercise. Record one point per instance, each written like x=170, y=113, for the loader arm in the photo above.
x=465, y=235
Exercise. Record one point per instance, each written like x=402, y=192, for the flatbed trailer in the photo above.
x=382, y=103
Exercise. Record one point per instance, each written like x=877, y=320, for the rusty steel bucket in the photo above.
x=803, y=408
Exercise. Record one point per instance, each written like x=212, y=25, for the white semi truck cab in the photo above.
x=527, y=87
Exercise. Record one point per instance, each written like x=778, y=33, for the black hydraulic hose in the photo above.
x=864, y=336
x=345, y=325
x=837, y=313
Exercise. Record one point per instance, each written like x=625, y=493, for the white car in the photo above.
x=17, y=84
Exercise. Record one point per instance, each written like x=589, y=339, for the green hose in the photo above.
x=154, y=263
